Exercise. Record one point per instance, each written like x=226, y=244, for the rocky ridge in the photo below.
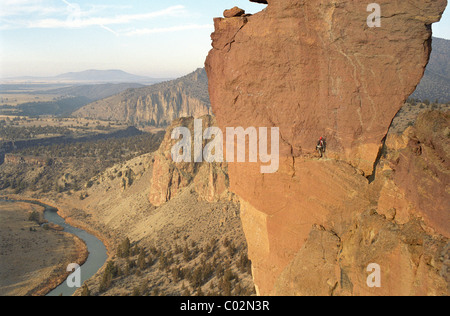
x=156, y=105
x=321, y=70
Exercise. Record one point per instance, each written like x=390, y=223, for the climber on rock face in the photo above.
x=321, y=146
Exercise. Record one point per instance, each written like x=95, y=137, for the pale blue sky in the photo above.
x=155, y=38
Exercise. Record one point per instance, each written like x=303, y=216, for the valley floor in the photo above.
x=33, y=259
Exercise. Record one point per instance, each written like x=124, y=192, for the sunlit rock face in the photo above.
x=317, y=68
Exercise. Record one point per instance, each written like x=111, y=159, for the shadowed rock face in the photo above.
x=314, y=68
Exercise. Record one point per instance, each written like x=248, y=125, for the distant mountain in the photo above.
x=93, y=92
x=435, y=84
x=156, y=105
x=90, y=76
x=103, y=76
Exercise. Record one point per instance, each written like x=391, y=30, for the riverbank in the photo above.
x=59, y=277
x=64, y=212
x=33, y=259
x=81, y=250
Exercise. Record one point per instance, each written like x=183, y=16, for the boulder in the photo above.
x=234, y=12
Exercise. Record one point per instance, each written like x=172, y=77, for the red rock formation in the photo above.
x=210, y=181
x=421, y=170
x=233, y=12
x=314, y=68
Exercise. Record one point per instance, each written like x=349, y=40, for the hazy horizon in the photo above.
x=46, y=38
x=80, y=72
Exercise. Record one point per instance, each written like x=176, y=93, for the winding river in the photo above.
x=97, y=250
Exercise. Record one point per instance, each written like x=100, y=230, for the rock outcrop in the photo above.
x=156, y=105
x=418, y=163
x=233, y=12
x=315, y=68
x=210, y=181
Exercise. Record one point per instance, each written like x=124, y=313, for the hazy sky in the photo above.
x=155, y=38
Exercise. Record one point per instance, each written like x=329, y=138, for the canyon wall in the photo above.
x=156, y=105
x=315, y=68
